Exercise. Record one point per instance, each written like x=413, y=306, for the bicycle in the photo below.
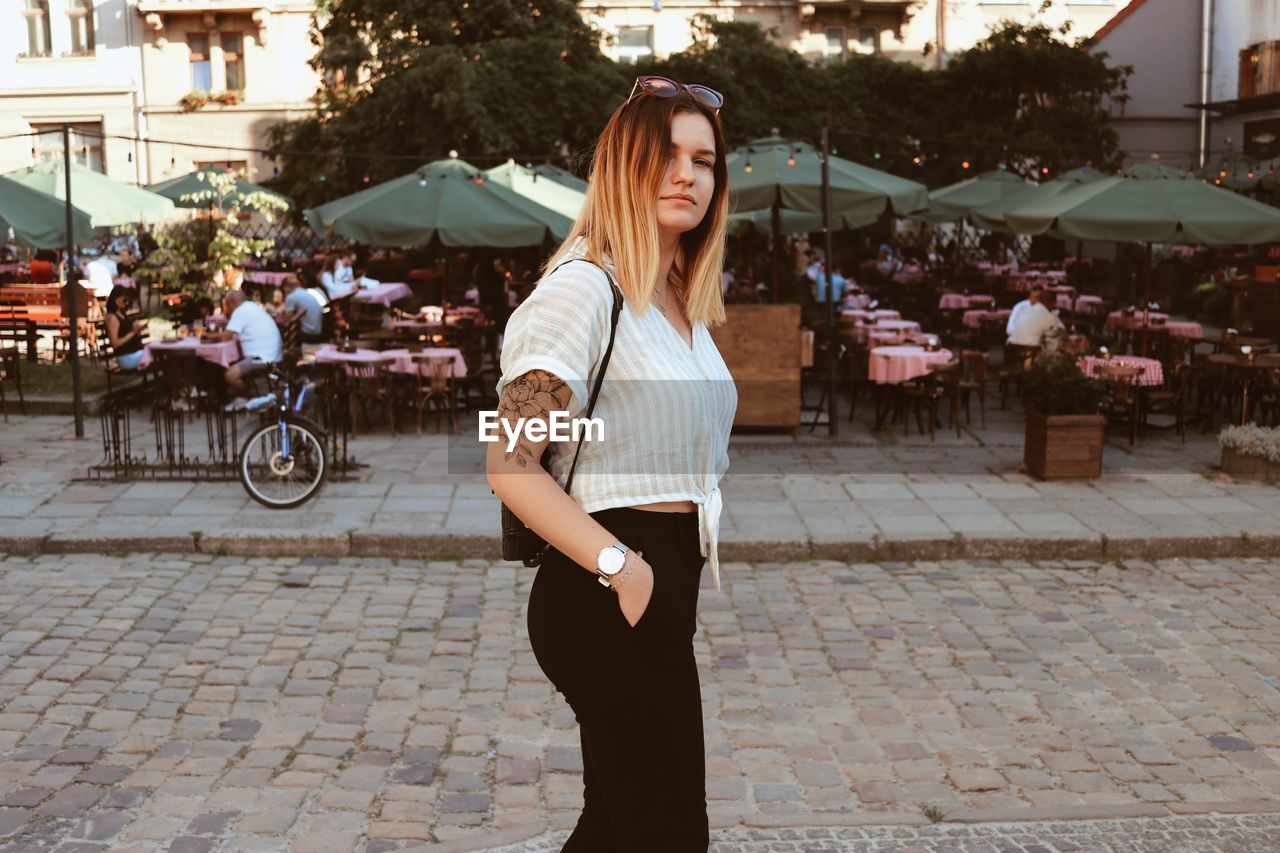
x=284, y=462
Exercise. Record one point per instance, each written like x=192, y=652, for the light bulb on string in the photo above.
x=479, y=180
x=876, y=155
x=964, y=165
x=791, y=161
x=365, y=179
x=747, y=168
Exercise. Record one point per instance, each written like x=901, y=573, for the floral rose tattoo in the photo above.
x=533, y=395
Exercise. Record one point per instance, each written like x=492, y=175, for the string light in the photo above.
x=964, y=165
x=747, y=168
x=479, y=180
x=365, y=179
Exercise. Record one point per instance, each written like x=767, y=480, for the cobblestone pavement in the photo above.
x=199, y=703
x=1245, y=834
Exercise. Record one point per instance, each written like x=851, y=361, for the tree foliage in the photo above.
x=410, y=80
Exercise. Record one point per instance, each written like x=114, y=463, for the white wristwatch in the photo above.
x=609, y=562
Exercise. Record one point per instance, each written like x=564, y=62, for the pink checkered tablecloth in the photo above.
x=896, y=364
x=1177, y=328
x=271, y=279
x=384, y=293
x=892, y=330
x=965, y=301
x=222, y=353
x=973, y=319
x=1152, y=370
x=879, y=314
x=1085, y=304
x=403, y=358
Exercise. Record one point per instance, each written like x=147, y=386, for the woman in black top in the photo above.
x=124, y=333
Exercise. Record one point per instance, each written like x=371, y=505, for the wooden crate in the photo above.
x=761, y=347
x=1064, y=446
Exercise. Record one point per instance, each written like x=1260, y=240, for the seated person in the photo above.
x=100, y=275
x=336, y=278
x=303, y=303
x=124, y=332
x=260, y=342
x=1030, y=320
x=837, y=286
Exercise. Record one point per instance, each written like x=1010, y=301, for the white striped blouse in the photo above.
x=666, y=408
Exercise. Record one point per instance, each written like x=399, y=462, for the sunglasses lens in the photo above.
x=709, y=97
x=659, y=87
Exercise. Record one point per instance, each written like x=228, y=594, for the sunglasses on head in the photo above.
x=664, y=87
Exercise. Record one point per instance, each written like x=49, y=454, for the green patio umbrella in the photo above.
x=954, y=202
x=450, y=200
x=774, y=171
x=108, y=202
x=776, y=175
x=39, y=220
x=561, y=176
x=546, y=191
x=175, y=189
x=1166, y=206
x=991, y=215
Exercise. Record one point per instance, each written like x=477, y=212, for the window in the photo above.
x=1259, y=70
x=81, y=14
x=201, y=71
x=233, y=57
x=836, y=48
x=86, y=144
x=634, y=42
x=868, y=40
x=37, y=16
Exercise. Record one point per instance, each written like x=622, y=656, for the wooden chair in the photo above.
x=435, y=388
x=1123, y=396
x=370, y=383
x=1017, y=358
x=1171, y=399
x=923, y=394
x=18, y=329
x=855, y=370
x=11, y=371
x=973, y=380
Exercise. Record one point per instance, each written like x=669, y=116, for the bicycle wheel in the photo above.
x=278, y=481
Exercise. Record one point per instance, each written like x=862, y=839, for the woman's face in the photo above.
x=686, y=189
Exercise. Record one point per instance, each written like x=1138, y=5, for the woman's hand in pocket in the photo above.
x=636, y=588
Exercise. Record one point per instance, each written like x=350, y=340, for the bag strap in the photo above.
x=604, y=362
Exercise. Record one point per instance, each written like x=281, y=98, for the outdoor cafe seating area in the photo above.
x=928, y=350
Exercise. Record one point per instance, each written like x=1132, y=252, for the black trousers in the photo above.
x=634, y=690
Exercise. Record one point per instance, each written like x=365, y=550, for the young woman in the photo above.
x=613, y=605
x=124, y=333
x=336, y=277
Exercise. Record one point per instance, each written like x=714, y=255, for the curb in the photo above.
x=475, y=546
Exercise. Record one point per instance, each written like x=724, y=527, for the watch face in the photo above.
x=610, y=561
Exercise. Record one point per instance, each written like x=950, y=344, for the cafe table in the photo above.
x=1248, y=369
x=1158, y=320
x=1084, y=303
x=950, y=301
x=221, y=353
x=893, y=365
x=383, y=294
x=402, y=359
x=863, y=314
x=898, y=329
x=973, y=319
x=266, y=277
x=1152, y=370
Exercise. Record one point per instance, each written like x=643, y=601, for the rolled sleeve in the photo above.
x=561, y=328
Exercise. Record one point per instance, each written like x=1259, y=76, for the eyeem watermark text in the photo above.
x=558, y=426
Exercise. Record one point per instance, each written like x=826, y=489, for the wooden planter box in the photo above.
x=1064, y=446
x=1243, y=467
x=761, y=347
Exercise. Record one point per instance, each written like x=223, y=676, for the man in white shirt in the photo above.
x=260, y=342
x=1030, y=320
x=101, y=274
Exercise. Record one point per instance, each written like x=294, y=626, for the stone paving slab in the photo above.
x=196, y=702
x=862, y=496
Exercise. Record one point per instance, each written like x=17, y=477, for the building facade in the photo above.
x=1244, y=90
x=151, y=88
x=819, y=29
x=926, y=32
x=1160, y=116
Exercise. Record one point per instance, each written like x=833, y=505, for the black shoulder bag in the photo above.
x=518, y=541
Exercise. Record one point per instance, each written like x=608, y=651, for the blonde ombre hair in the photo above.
x=619, y=217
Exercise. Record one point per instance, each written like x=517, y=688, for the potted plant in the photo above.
x=231, y=97
x=1064, y=428
x=1251, y=452
x=194, y=100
